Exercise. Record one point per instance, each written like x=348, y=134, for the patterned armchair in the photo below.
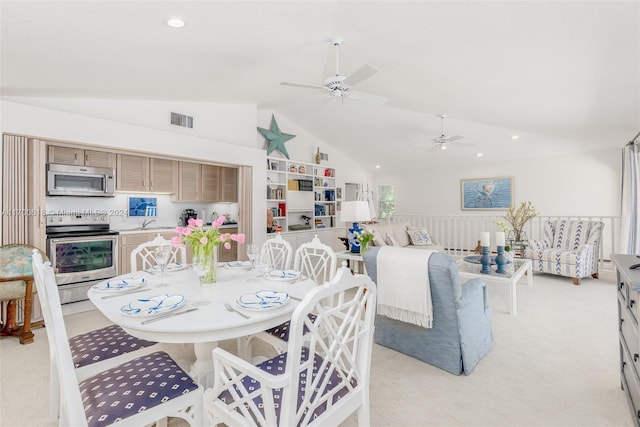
x=569, y=248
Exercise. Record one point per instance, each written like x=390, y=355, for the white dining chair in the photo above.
x=144, y=254
x=314, y=260
x=139, y=392
x=276, y=252
x=91, y=352
x=322, y=378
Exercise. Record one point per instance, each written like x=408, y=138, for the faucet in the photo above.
x=147, y=222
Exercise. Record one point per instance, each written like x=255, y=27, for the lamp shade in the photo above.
x=355, y=211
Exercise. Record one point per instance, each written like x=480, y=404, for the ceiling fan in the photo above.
x=442, y=141
x=340, y=86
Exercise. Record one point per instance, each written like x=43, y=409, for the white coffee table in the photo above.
x=514, y=272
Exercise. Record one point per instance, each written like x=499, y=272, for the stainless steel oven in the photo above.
x=83, y=251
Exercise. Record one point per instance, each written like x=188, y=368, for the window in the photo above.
x=386, y=201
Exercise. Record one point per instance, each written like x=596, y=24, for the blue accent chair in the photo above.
x=461, y=334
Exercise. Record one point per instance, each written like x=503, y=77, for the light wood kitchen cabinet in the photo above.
x=130, y=241
x=206, y=183
x=132, y=173
x=210, y=183
x=163, y=175
x=189, y=182
x=141, y=173
x=80, y=157
x=228, y=184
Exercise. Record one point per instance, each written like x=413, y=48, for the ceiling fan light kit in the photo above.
x=339, y=86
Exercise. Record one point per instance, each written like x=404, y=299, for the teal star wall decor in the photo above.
x=276, y=137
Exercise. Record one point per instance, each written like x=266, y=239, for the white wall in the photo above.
x=586, y=184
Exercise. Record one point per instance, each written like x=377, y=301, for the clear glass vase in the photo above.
x=207, y=261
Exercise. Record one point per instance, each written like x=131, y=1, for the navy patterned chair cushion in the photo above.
x=282, y=331
x=133, y=387
x=103, y=344
x=276, y=366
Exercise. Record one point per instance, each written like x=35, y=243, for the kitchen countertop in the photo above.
x=160, y=229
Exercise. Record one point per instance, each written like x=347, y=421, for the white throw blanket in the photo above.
x=404, y=291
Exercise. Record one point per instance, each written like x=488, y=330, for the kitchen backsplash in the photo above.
x=168, y=212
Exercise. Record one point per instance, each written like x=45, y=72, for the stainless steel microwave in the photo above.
x=80, y=181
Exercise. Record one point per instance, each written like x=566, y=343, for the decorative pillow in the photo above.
x=419, y=237
x=391, y=241
x=378, y=235
x=399, y=233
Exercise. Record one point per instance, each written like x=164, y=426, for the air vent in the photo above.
x=324, y=156
x=182, y=120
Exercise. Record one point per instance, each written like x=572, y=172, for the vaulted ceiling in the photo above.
x=563, y=75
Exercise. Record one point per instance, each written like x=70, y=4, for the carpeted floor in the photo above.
x=554, y=364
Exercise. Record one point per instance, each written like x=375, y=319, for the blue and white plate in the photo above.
x=263, y=300
x=151, y=306
x=121, y=284
x=282, y=275
x=173, y=266
x=238, y=265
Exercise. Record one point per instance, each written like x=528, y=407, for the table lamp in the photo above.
x=355, y=211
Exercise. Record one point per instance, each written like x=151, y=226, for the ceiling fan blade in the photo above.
x=360, y=74
x=302, y=85
x=362, y=96
x=454, y=138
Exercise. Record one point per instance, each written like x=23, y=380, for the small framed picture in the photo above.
x=143, y=206
x=272, y=164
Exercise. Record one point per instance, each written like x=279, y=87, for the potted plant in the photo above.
x=517, y=218
x=364, y=238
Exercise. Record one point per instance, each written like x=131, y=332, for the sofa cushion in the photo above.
x=419, y=237
x=570, y=235
x=399, y=234
x=554, y=255
x=391, y=241
x=379, y=233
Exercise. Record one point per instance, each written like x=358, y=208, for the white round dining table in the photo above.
x=209, y=323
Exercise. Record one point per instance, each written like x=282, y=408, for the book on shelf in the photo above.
x=293, y=185
x=305, y=185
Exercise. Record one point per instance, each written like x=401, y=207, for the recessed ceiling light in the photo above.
x=479, y=154
x=175, y=22
x=515, y=136
x=377, y=166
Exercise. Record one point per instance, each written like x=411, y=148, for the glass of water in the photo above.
x=162, y=254
x=252, y=253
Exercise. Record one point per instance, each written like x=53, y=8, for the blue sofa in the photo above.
x=461, y=334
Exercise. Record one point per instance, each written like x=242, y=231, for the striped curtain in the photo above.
x=630, y=215
x=15, y=196
x=245, y=204
x=23, y=190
